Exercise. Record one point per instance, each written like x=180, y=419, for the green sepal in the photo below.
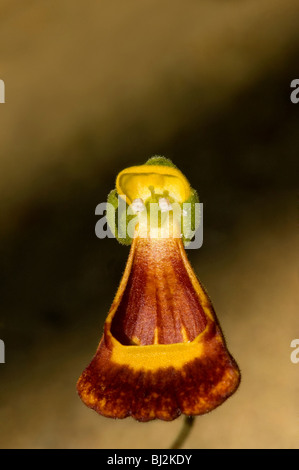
x=112, y=203
x=118, y=223
x=158, y=160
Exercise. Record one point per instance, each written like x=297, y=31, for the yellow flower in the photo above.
x=162, y=352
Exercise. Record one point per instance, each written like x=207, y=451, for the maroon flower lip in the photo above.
x=162, y=352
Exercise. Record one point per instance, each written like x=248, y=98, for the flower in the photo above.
x=162, y=352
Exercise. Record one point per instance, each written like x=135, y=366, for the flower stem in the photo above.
x=184, y=432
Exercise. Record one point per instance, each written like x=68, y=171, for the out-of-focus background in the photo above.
x=93, y=87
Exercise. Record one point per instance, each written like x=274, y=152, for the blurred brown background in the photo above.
x=93, y=87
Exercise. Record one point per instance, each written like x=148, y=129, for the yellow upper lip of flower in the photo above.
x=135, y=182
